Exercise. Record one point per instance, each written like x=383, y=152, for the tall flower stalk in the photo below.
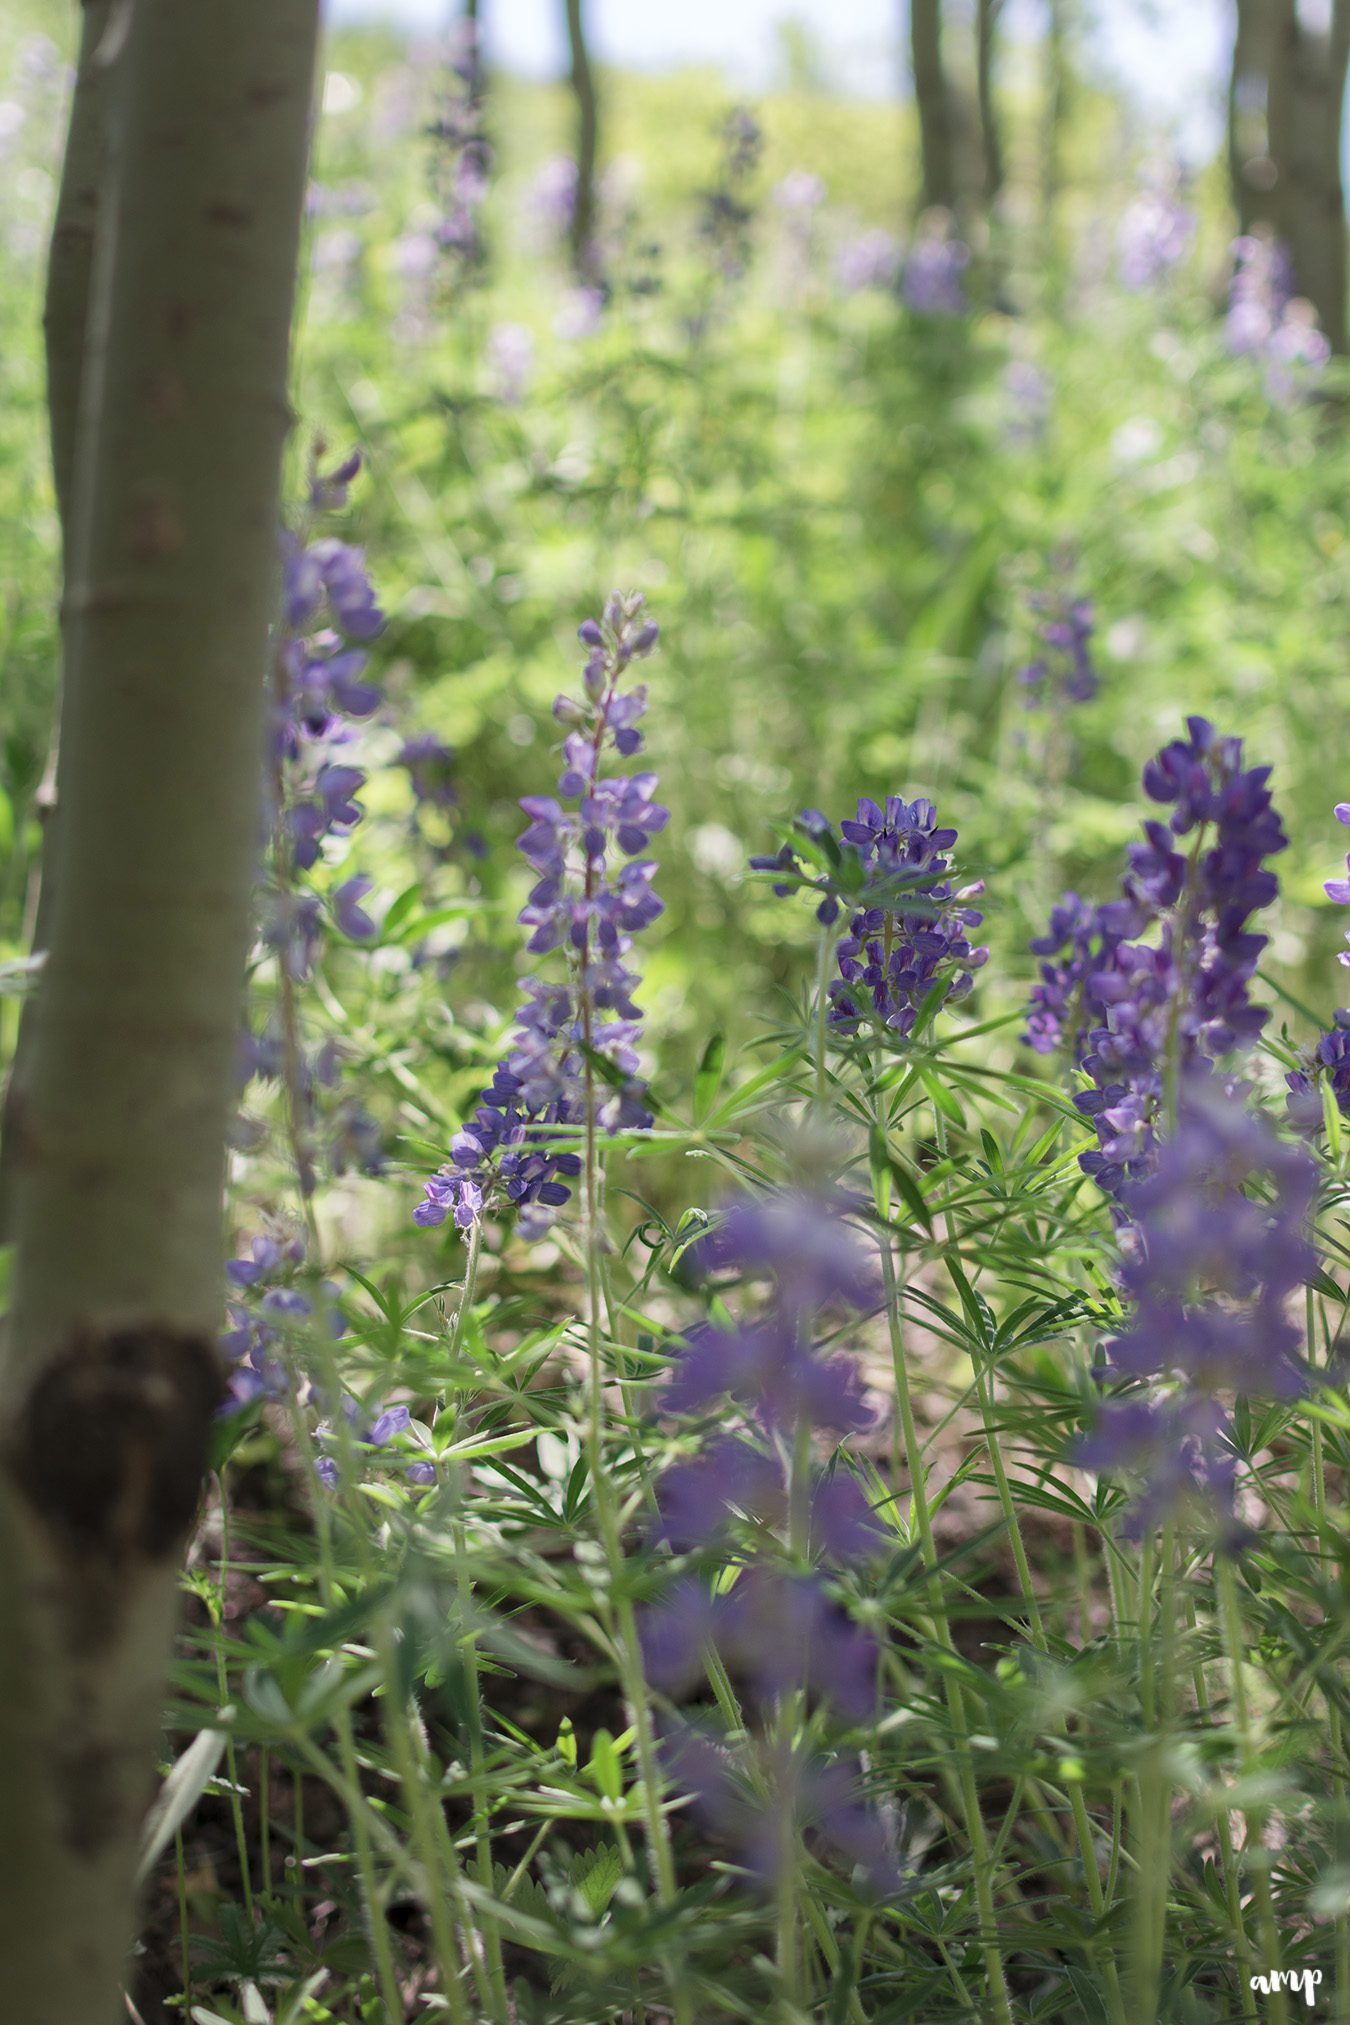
x=570, y=1073
x=592, y=894
x=785, y=1659
x=906, y=953
x=284, y=1313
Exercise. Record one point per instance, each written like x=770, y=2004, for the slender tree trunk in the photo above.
x=1250, y=167
x=1307, y=96
x=1056, y=108
x=991, y=145
x=932, y=97
x=108, y=1373
x=65, y=324
x=70, y=265
x=583, y=84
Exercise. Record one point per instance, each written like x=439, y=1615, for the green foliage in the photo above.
x=441, y=1769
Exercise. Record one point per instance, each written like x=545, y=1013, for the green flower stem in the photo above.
x=468, y=1646
x=223, y=1691
x=1152, y=1830
x=1334, y=1724
x=377, y=1929
x=976, y=1832
x=409, y=1750
x=1230, y=1613
x=1012, y=1523
x=627, y=1648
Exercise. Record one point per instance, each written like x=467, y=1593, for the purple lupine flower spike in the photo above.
x=909, y=939
x=1140, y=1013
x=754, y=1499
x=1218, y=1246
x=1062, y=671
x=592, y=894
x=1329, y=1063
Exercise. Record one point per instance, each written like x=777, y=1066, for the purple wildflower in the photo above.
x=872, y=260
x=461, y=159
x=581, y=315
x=510, y=361
x=824, y=1800
x=264, y=1302
x=908, y=943
x=814, y=1261
x=1267, y=321
x=1081, y=937
x=1029, y=394
x=1157, y=230
x=551, y=203
x=756, y=1496
x=1218, y=1246
x=1062, y=671
x=779, y=1633
x=592, y=894
x=727, y=213
x=699, y=1500
x=801, y=1246
x=428, y=763
x=933, y=283
x=369, y=1431
x=1330, y=1063
x=1142, y=1015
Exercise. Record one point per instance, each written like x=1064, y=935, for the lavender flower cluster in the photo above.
x=1062, y=671
x=1330, y=1063
x=266, y=1304
x=757, y=1497
x=908, y=942
x=461, y=159
x=1268, y=321
x=1209, y=1273
x=934, y=279
x=592, y=894
x=1139, y=1016
x=319, y=695
x=320, y=698
x=894, y=960
x=872, y=260
x=727, y=214
x=1157, y=230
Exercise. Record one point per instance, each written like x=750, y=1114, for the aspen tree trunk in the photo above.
x=583, y=84
x=1250, y=167
x=1056, y=108
x=991, y=145
x=65, y=319
x=108, y=1374
x=932, y=97
x=1307, y=96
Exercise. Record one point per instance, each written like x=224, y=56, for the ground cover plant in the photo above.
x=784, y=1429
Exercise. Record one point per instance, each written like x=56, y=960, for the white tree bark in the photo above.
x=108, y=1377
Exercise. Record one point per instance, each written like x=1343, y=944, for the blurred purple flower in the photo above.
x=933, y=283
x=1157, y=230
x=872, y=260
